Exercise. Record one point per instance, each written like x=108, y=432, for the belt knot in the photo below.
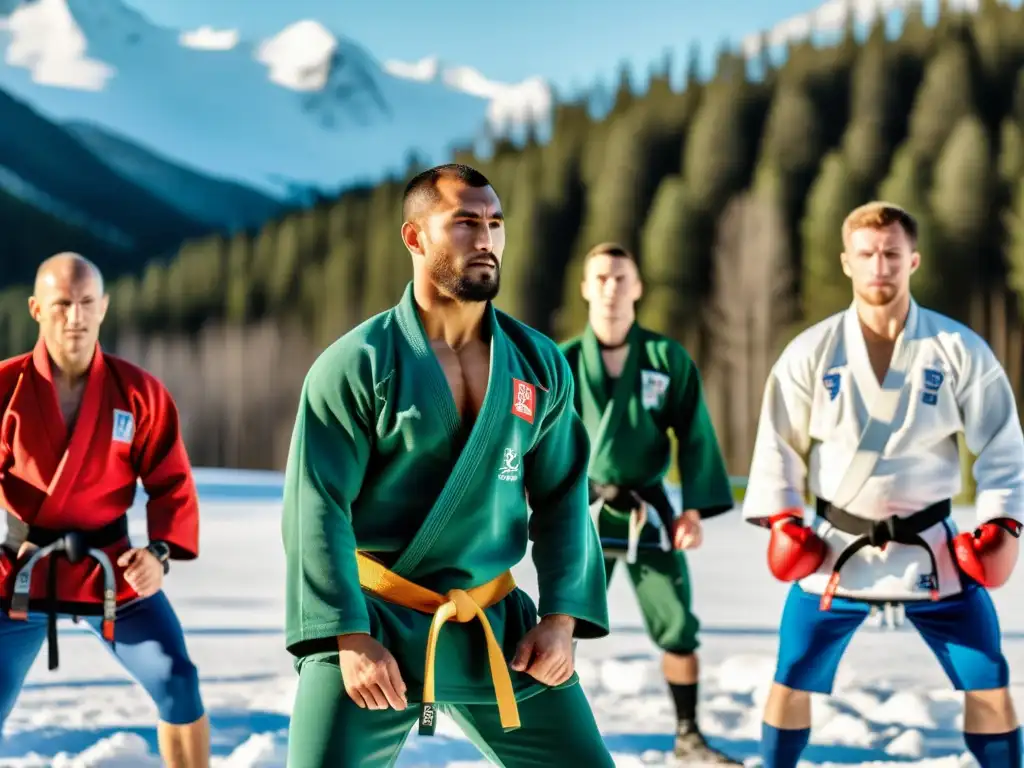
x=466, y=607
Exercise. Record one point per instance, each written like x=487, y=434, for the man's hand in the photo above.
x=143, y=572
x=988, y=555
x=545, y=652
x=687, y=531
x=370, y=673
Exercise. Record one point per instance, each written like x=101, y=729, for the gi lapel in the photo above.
x=475, y=449
x=595, y=376
x=881, y=402
x=86, y=423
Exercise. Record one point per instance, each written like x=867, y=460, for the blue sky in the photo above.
x=568, y=42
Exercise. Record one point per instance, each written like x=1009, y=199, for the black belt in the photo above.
x=75, y=546
x=878, y=533
x=628, y=498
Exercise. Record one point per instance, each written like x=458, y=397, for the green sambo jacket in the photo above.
x=377, y=463
x=628, y=419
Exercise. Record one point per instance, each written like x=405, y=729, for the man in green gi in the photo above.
x=419, y=436
x=632, y=387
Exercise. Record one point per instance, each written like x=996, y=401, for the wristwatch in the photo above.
x=162, y=552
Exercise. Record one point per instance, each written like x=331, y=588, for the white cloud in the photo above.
x=210, y=39
x=424, y=70
x=46, y=41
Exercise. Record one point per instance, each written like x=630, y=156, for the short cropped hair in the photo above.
x=614, y=250
x=421, y=191
x=878, y=215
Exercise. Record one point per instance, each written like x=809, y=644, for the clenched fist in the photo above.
x=545, y=652
x=370, y=673
x=143, y=572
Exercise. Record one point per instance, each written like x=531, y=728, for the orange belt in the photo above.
x=458, y=605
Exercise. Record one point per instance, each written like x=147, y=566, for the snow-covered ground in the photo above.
x=892, y=705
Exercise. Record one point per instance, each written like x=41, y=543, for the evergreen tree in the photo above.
x=825, y=288
x=719, y=149
x=907, y=186
x=388, y=264
x=960, y=202
x=874, y=111
x=672, y=271
x=945, y=96
x=238, y=294
x=624, y=94
x=520, y=262
x=1014, y=221
x=1011, y=155
x=791, y=146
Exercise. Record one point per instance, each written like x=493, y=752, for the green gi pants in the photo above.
x=328, y=729
x=661, y=581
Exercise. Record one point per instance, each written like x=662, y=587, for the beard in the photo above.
x=878, y=297
x=462, y=286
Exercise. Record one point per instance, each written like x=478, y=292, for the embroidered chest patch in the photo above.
x=933, y=379
x=524, y=400
x=124, y=426
x=509, y=471
x=653, y=388
x=831, y=382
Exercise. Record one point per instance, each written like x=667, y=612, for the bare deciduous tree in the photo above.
x=236, y=389
x=750, y=310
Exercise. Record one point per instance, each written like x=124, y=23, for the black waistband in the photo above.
x=74, y=545
x=878, y=533
x=624, y=498
x=899, y=530
x=19, y=532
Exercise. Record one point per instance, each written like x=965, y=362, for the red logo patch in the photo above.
x=524, y=400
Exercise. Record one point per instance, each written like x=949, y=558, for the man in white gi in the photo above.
x=862, y=411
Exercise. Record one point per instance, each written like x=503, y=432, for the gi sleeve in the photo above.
x=566, y=548
x=172, y=506
x=327, y=460
x=778, y=468
x=992, y=432
x=702, y=472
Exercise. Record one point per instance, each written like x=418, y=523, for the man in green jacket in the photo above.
x=421, y=436
x=632, y=387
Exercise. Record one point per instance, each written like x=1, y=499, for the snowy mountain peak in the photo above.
x=303, y=108
x=510, y=103
x=299, y=56
x=831, y=17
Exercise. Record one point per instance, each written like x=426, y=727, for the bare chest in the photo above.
x=467, y=373
x=70, y=401
x=880, y=357
x=614, y=361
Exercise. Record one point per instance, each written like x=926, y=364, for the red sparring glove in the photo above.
x=794, y=550
x=989, y=553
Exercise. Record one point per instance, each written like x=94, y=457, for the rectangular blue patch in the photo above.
x=933, y=379
x=124, y=426
x=929, y=398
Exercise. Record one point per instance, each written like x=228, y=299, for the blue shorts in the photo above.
x=962, y=631
x=150, y=644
